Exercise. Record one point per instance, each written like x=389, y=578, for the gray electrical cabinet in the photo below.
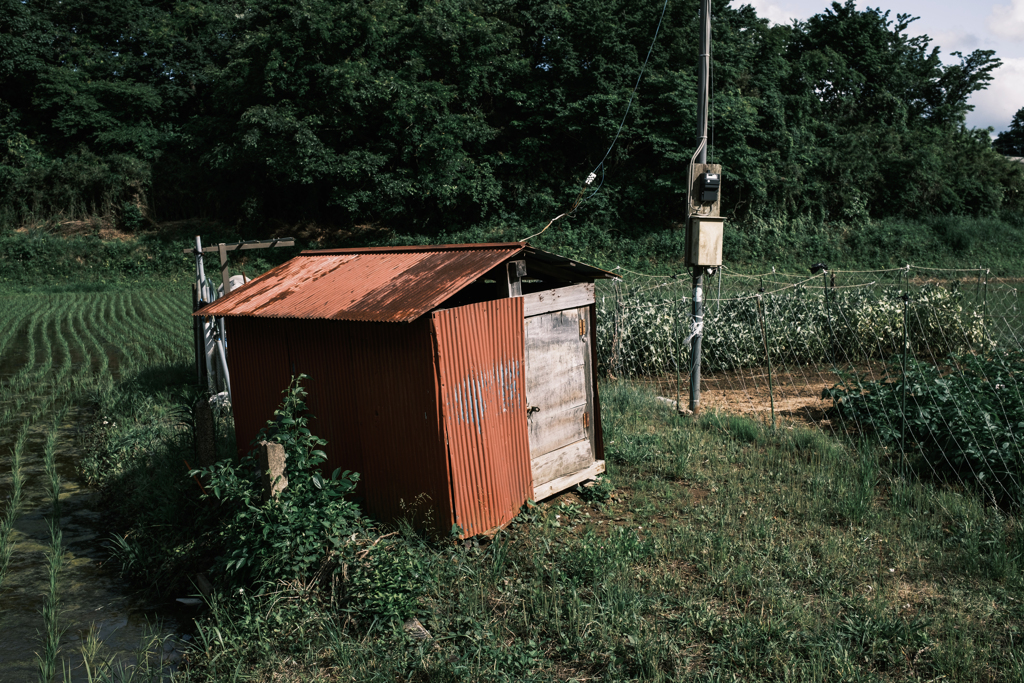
x=705, y=227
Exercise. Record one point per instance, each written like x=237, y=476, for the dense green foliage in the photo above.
x=40, y=258
x=310, y=530
x=311, y=533
x=644, y=337
x=431, y=118
x=1011, y=141
x=966, y=421
x=292, y=535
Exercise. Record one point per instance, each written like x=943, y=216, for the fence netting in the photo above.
x=927, y=361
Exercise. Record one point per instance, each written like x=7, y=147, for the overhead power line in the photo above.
x=580, y=198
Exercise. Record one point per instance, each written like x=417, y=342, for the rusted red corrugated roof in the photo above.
x=394, y=284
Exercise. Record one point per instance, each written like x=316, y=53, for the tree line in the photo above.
x=428, y=117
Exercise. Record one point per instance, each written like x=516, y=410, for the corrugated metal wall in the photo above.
x=372, y=392
x=258, y=363
x=480, y=356
x=399, y=420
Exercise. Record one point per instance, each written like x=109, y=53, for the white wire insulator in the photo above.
x=696, y=330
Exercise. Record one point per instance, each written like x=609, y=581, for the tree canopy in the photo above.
x=1011, y=141
x=431, y=116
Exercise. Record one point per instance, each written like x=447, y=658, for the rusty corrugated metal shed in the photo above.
x=375, y=285
x=482, y=390
x=432, y=413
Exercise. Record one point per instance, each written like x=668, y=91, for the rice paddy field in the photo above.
x=58, y=351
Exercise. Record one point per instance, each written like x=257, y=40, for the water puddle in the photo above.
x=93, y=598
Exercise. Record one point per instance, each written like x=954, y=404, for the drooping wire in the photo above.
x=580, y=198
x=632, y=95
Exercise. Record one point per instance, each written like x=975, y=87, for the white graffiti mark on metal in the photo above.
x=500, y=381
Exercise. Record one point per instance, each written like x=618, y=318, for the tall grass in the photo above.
x=146, y=665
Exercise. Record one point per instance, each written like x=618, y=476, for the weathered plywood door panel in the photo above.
x=481, y=379
x=559, y=392
x=562, y=461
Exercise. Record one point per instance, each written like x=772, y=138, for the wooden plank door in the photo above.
x=560, y=400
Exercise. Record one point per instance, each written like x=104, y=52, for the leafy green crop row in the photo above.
x=800, y=325
x=965, y=418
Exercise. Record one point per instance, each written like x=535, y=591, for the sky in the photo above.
x=953, y=27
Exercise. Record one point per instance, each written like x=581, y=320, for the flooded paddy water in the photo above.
x=53, y=347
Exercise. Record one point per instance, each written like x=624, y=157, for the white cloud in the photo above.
x=785, y=11
x=996, y=106
x=1007, y=21
x=955, y=41
x=773, y=12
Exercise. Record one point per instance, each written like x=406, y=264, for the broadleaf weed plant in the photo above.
x=311, y=530
x=964, y=420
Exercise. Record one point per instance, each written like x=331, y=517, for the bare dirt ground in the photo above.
x=796, y=392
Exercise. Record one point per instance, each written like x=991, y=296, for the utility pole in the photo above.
x=697, y=322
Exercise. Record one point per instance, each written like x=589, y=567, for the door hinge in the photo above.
x=583, y=327
x=586, y=420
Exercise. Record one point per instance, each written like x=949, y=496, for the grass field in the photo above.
x=726, y=551
x=718, y=549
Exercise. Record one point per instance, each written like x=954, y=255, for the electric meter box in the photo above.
x=704, y=241
x=710, y=184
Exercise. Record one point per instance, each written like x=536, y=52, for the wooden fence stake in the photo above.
x=272, y=462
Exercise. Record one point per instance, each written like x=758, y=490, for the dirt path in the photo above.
x=797, y=392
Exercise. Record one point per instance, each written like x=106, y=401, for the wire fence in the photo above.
x=930, y=362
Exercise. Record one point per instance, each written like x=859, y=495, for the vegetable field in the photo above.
x=58, y=351
x=929, y=362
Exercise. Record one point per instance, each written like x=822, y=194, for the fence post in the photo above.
x=721, y=276
x=678, y=359
x=616, y=331
x=829, y=343
x=903, y=409
x=984, y=302
x=272, y=458
x=767, y=355
x=197, y=336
